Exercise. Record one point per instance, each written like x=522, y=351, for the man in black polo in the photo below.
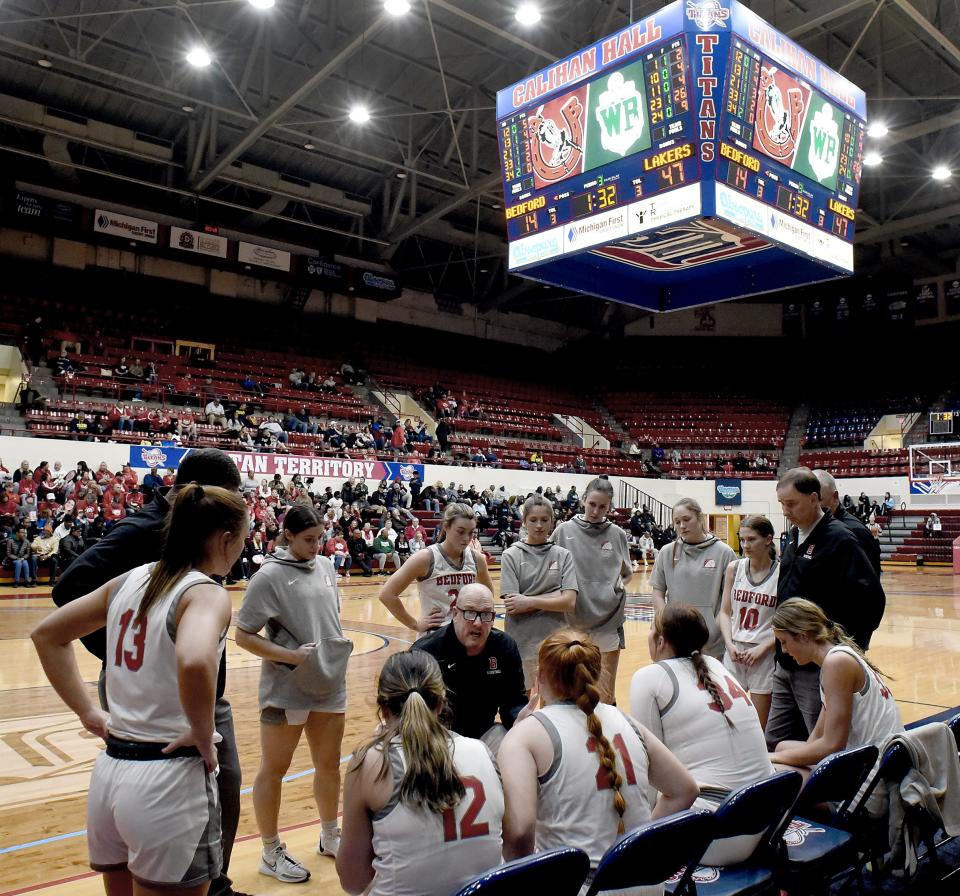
x=132, y=542
x=823, y=563
x=830, y=500
x=481, y=667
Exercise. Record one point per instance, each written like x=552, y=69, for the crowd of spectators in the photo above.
x=50, y=514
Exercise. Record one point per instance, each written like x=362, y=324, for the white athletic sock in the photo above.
x=271, y=845
x=328, y=828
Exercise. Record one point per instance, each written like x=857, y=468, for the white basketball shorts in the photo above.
x=159, y=819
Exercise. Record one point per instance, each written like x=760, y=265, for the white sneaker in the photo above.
x=282, y=866
x=329, y=846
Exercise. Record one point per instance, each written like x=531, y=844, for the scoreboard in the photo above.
x=696, y=137
x=619, y=137
x=774, y=120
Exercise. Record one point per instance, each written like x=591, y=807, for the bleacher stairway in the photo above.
x=903, y=541
x=794, y=439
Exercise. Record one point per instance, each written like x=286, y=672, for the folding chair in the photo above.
x=653, y=852
x=755, y=809
x=560, y=872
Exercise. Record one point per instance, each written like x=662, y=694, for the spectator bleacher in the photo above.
x=848, y=423
x=862, y=463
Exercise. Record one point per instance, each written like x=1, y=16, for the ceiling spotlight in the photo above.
x=877, y=130
x=263, y=4
x=401, y=175
x=198, y=57
x=495, y=205
x=527, y=14
x=189, y=108
x=941, y=172
x=43, y=62
x=359, y=114
x=872, y=159
x=396, y=7
x=309, y=145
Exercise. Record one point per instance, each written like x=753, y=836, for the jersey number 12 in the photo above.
x=468, y=824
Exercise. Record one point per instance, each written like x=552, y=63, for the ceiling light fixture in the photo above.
x=43, y=62
x=872, y=159
x=309, y=145
x=189, y=108
x=941, y=172
x=198, y=57
x=401, y=175
x=263, y=4
x=359, y=114
x=877, y=130
x=527, y=14
x=396, y=7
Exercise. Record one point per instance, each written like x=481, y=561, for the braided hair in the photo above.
x=570, y=662
x=685, y=630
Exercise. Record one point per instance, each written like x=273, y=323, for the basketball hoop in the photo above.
x=936, y=483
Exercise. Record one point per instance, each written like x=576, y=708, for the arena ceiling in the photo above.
x=96, y=97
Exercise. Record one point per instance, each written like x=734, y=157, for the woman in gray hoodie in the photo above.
x=294, y=601
x=601, y=558
x=691, y=569
x=538, y=584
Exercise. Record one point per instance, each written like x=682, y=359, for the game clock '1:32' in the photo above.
x=597, y=200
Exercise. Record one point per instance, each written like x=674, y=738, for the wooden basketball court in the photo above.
x=46, y=757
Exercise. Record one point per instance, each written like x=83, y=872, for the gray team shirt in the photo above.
x=693, y=574
x=294, y=602
x=535, y=569
x=601, y=557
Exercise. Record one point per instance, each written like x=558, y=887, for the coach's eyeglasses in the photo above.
x=474, y=615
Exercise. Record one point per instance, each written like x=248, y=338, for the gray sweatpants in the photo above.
x=795, y=704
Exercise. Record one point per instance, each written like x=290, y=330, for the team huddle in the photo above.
x=757, y=663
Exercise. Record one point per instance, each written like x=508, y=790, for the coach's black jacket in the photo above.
x=870, y=545
x=831, y=569
x=478, y=686
x=134, y=541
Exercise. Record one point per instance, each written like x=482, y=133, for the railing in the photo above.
x=630, y=494
x=391, y=400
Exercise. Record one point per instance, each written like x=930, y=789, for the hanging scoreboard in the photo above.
x=696, y=138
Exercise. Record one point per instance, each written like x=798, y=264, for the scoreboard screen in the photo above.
x=594, y=149
x=788, y=146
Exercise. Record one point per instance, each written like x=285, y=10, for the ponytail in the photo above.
x=199, y=513
x=705, y=681
x=431, y=778
x=571, y=663
x=409, y=693
x=684, y=629
x=803, y=617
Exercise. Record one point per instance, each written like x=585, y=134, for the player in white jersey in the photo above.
x=746, y=612
x=578, y=772
x=152, y=814
x=422, y=807
x=858, y=708
x=440, y=571
x=702, y=715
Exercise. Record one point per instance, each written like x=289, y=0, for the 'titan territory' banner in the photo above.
x=285, y=464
